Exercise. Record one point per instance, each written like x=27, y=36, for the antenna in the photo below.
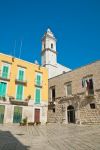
x=14, y=48
x=20, y=49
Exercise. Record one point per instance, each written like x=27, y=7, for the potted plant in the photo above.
x=28, y=98
x=4, y=98
x=24, y=122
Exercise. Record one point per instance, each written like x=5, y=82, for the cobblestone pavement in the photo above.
x=50, y=137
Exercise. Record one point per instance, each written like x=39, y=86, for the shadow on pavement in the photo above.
x=9, y=142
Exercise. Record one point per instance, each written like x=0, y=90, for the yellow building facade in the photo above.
x=23, y=91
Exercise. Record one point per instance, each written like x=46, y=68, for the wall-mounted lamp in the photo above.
x=54, y=103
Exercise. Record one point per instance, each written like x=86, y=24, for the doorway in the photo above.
x=37, y=115
x=71, y=114
x=17, y=117
x=2, y=110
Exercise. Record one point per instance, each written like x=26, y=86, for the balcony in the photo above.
x=14, y=101
x=70, y=97
x=18, y=81
x=4, y=77
x=51, y=104
x=38, y=83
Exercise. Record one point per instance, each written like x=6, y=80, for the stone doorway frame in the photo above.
x=71, y=114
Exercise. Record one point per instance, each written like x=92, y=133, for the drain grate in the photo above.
x=20, y=134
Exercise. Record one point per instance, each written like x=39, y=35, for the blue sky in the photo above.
x=75, y=24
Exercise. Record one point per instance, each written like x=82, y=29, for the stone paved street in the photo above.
x=50, y=137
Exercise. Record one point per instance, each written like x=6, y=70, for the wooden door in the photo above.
x=37, y=115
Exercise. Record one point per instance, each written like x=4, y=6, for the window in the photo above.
x=19, y=94
x=38, y=79
x=53, y=94
x=87, y=83
x=51, y=45
x=69, y=89
x=5, y=71
x=3, y=87
x=37, y=95
x=44, y=46
x=92, y=106
x=53, y=110
x=21, y=75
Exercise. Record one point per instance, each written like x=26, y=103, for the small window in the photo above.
x=92, y=106
x=5, y=71
x=53, y=95
x=21, y=75
x=44, y=46
x=69, y=89
x=38, y=79
x=51, y=45
x=54, y=110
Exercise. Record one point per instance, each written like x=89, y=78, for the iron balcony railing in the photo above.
x=21, y=81
x=38, y=83
x=14, y=101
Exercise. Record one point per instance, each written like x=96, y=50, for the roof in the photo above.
x=21, y=60
x=75, y=69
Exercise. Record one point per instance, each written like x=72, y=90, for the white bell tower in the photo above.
x=49, y=56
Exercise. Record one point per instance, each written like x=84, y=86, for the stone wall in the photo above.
x=51, y=117
x=89, y=116
x=75, y=77
x=83, y=112
x=81, y=103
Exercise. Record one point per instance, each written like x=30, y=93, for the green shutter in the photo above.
x=38, y=79
x=0, y=89
x=17, y=117
x=19, y=94
x=37, y=98
x=2, y=110
x=21, y=75
x=5, y=72
x=3, y=87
